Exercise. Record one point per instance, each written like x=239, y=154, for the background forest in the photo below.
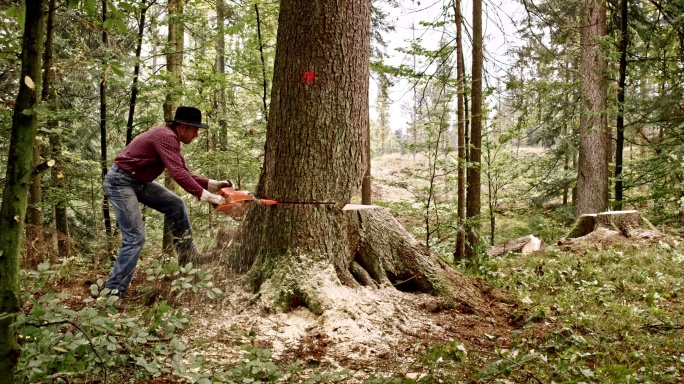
x=113, y=69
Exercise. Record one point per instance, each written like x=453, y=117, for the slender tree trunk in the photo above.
x=35, y=212
x=566, y=166
x=592, y=178
x=221, y=70
x=136, y=72
x=49, y=96
x=459, y=252
x=174, y=65
x=103, y=123
x=17, y=182
x=491, y=198
x=473, y=204
x=620, y=124
x=383, y=111
x=263, y=64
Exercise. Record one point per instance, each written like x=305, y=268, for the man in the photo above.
x=130, y=181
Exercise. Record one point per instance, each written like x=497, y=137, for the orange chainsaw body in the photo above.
x=238, y=202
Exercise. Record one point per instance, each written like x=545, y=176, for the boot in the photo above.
x=187, y=252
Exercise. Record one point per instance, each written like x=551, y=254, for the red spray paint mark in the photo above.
x=308, y=77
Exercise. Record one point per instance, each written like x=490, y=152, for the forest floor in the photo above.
x=384, y=332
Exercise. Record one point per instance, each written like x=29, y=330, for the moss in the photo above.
x=583, y=226
x=649, y=224
x=294, y=297
x=264, y=267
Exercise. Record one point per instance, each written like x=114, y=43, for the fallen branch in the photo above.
x=42, y=167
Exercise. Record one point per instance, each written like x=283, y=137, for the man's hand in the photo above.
x=211, y=198
x=215, y=186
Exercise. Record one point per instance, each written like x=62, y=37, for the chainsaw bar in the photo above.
x=306, y=202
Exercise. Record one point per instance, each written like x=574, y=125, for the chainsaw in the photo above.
x=238, y=202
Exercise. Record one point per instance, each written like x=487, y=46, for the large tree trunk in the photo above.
x=17, y=181
x=314, y=161
x=473, y=204
x=592, y=177
x=315, y=142
x=358, y=246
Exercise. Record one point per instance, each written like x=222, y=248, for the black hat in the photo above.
x=189, y=116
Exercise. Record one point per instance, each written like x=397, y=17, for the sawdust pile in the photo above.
x=367, y=330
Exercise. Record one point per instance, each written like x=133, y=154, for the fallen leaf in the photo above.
x=527, y=300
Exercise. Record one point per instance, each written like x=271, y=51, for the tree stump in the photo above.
x=523, y=245
x=608, y=228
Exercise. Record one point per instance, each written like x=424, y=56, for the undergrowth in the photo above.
x=603, y=316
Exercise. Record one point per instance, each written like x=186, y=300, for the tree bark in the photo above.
x=459, y=252
x=473, y=203
x=17, y=182
x=592, y=178
x=584, y=225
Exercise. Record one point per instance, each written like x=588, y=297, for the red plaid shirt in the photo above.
x=151, y=152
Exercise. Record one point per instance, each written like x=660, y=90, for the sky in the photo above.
x=498, y=39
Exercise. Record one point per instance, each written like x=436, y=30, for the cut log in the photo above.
x=523, y=245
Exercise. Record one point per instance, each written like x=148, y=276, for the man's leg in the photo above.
x=120, y=190
x=157, y=197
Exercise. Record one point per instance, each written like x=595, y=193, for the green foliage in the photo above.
x=68, y=337
x=184, y=278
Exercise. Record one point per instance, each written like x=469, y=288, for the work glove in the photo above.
x=215, y=186
x=212, y=198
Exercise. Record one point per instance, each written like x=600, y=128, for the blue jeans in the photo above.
x=124, y=191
